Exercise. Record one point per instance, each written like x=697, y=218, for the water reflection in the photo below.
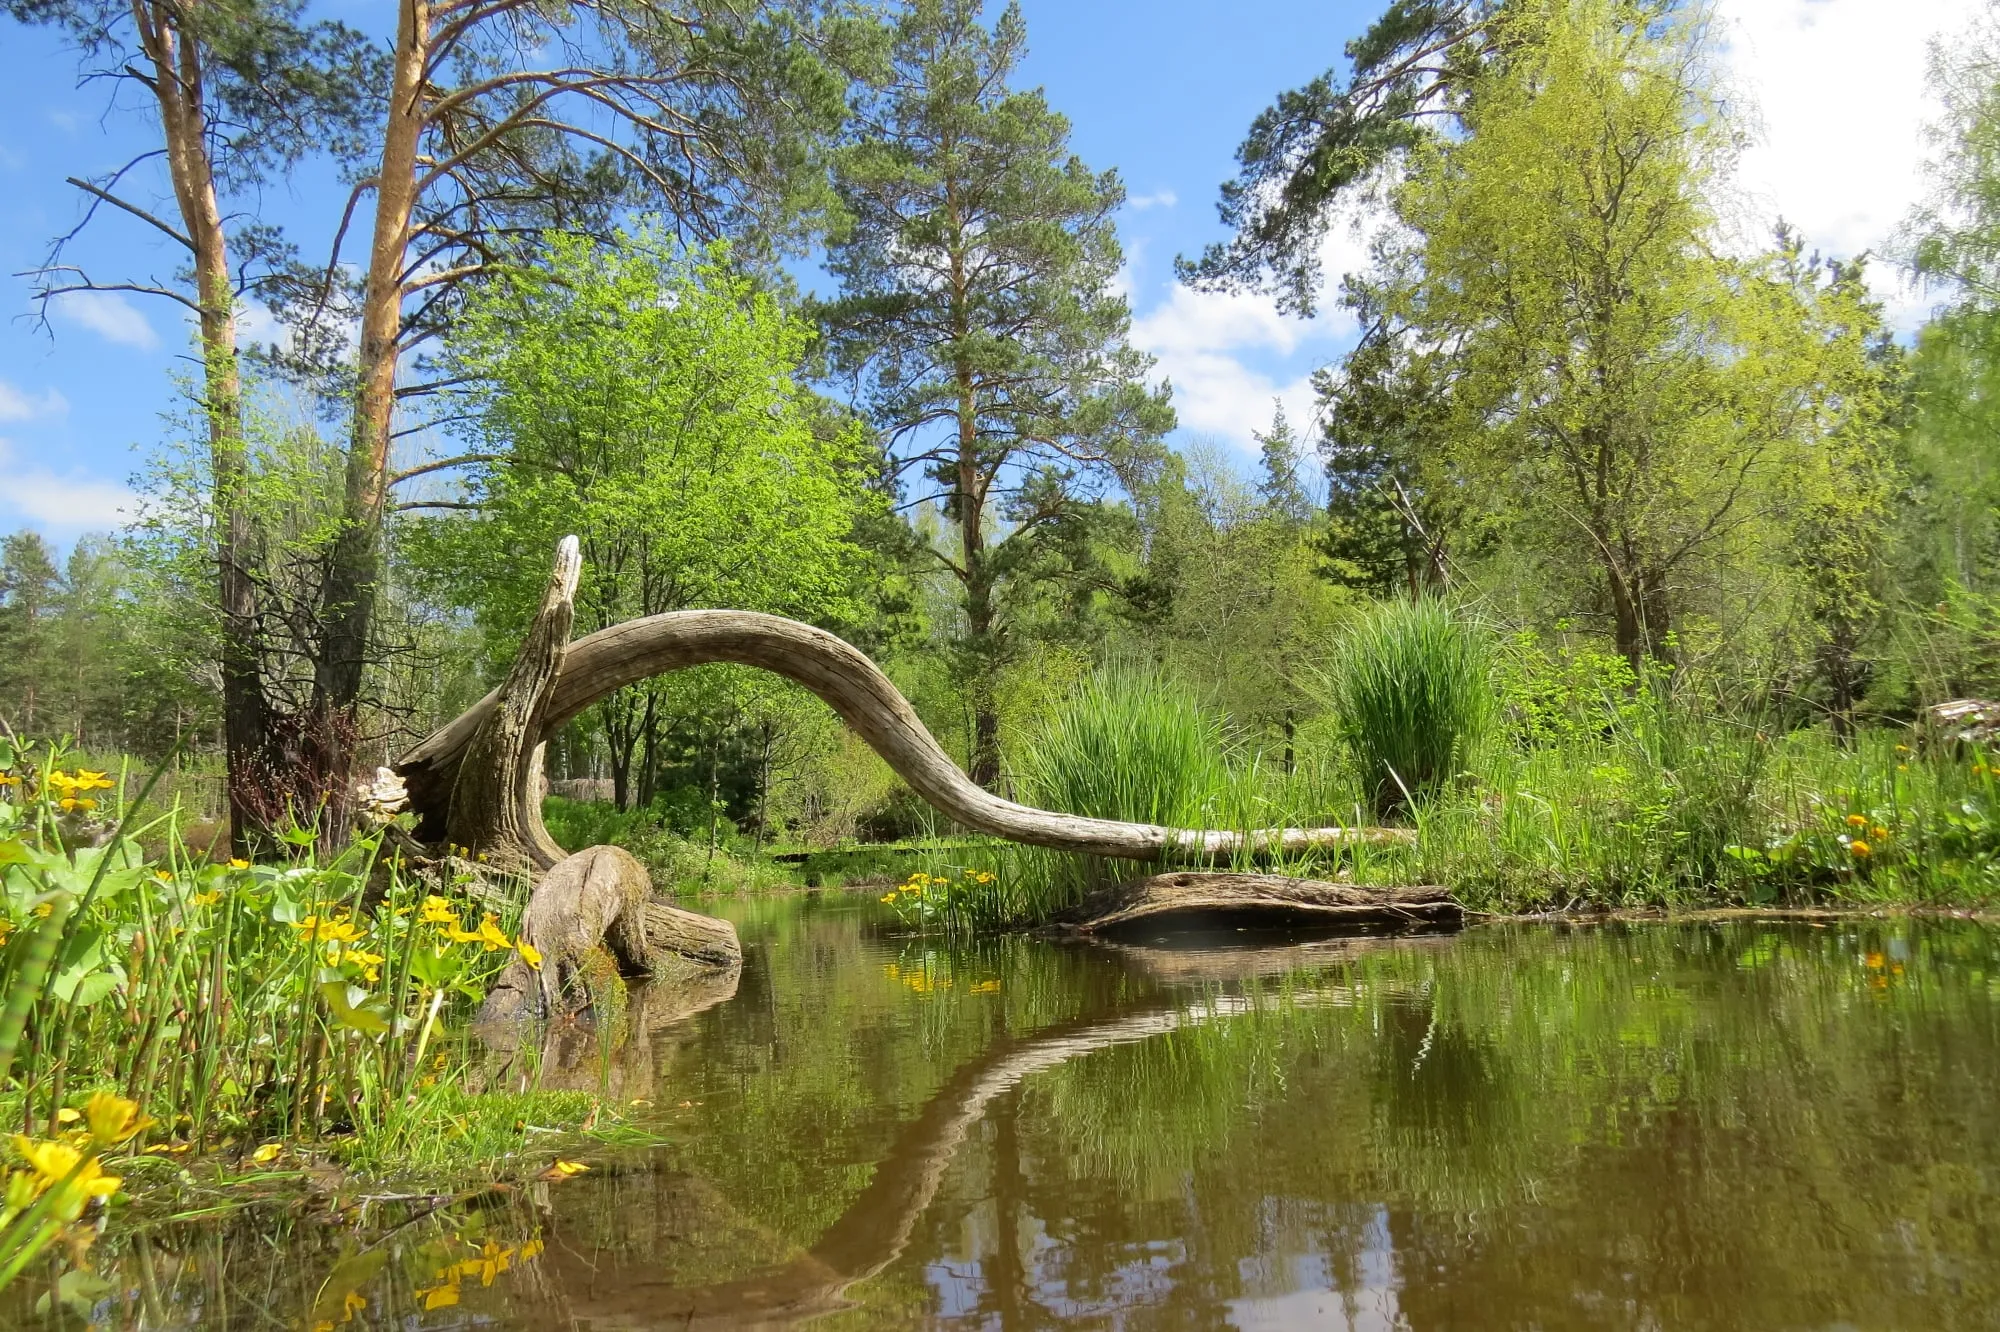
x=1737, y=1125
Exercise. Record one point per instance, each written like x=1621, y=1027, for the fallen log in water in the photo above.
x=1267, y=898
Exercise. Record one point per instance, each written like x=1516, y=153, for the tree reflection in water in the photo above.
x=1740, y=1124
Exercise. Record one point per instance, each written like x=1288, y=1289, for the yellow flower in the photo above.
x=112, y=1118
x=61, y=780
x=370, y=963
x=440, y=1297
x=494, y=1258
x=352, y=1305
x=337, y=930
x=888, y=897
x=72, y=803
x=530, y=1250
x=53, y=1163
x=1879, y=832
x=437, y=911
x=1857, y=820
x=9, y=779
x=66, y=1115
x=564, y=1170
x=491, y=935
x=268, y=1153
x=87, y=780
x=529, y=954
x=206, y=899
x=1861, y=849
x=239, y=864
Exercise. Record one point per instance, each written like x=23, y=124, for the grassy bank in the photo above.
x=300, y=1018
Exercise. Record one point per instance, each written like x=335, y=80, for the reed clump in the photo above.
x=1411, y=692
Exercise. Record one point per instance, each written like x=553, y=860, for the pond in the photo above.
x=1739, y=1124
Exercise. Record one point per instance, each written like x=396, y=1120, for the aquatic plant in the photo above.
x=236, y=1001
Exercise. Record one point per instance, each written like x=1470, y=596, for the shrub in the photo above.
x=1411, y=693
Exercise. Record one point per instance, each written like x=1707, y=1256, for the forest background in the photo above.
x=1655, y=462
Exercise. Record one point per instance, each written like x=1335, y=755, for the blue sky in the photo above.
x=1832, y=89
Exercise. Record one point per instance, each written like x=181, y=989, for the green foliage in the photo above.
x=644, y=399
x=1412, y=693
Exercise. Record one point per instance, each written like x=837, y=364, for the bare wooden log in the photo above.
x=849, y=682
x=494, y=800
x=601, y=895
x=1270, y=896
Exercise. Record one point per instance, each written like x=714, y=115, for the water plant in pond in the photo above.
x=242, y=1004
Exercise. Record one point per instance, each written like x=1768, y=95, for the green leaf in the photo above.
x=350, y=1007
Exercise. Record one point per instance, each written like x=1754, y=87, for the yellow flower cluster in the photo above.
x=337, y=936
x=72, y=786
x=437, y=911
x=63, y=1174
x=492, y=1259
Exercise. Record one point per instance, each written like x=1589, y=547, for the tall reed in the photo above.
x=1129, y=744
x=1411, y=691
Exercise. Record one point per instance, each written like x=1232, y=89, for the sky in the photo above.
x=1833, y=92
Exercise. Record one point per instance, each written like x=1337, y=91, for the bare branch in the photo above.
x=133, y=209
x=462, y=460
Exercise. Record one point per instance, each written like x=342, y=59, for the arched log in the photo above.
x=850, y=683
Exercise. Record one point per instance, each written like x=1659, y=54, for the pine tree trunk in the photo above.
x=178, y=82
x=354, y=570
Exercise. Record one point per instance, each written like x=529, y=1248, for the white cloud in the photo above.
x=1840, y=89
x=1157, y=199
x=16, y=405
x=1229, y=354
x=109, y=315
x=67, y=505
x=1204, y=341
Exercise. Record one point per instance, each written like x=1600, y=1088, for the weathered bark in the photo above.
x=600, y=896
x=178, y=81
x=1267, y=897
x=836, y=672
x=354, y=566
x=496, y=799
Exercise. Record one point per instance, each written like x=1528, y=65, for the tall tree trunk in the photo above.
x=354, y=571
x=177, y=81
x=1627, y=628
x=983, y=763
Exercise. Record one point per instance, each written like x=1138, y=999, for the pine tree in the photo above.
x=978, y=317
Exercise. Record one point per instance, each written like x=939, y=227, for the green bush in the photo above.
x=1411, y=693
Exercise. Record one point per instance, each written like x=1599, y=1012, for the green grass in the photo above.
x=679, y=866
x=1131, y=745
x=1411, y=692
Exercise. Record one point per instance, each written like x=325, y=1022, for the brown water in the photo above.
x=1743, y=1125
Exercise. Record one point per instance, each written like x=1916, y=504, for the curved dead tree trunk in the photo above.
x=493, y=806
x=850, y=683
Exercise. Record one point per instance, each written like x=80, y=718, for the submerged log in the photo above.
x=1265, y=898
x=597, y=664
